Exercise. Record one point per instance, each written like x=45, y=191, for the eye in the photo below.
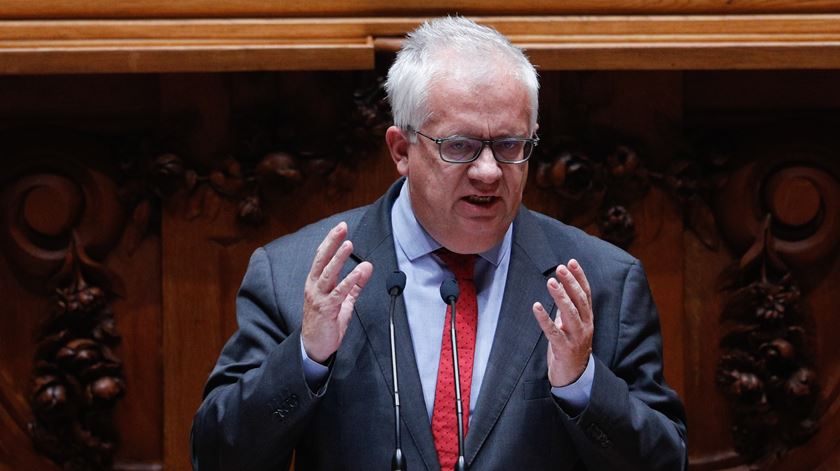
x=507, y=145
x=460, y=146
x=457, y=145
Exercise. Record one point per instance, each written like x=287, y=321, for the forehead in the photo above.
x=495, y=102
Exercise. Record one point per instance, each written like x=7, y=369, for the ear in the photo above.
x=398, y=146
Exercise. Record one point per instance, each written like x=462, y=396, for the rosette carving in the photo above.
x=801, y=199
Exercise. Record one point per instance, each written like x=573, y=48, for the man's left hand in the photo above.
x=570, y=333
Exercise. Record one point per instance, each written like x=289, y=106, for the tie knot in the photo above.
x=461, y=265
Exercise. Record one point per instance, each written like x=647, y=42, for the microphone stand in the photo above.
x=450, y=296
x=396, y=284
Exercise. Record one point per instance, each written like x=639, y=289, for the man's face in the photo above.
x=468, y=207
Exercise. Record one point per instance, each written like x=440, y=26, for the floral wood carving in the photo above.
x=275, y=152
x=780, y=213
x=597, y=182
x=78, y=379
x=766, y=369
x=61, y=219
x=601, y=181
x=767, y=366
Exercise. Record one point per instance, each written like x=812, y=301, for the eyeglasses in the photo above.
x=463, y=150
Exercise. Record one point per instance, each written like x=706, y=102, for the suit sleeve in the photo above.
x=256, y=401
x=633, y=419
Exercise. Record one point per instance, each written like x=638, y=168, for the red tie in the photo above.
x=444, y=416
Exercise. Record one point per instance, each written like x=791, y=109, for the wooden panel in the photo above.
x=685, y=57
x=234, y=8
x=151, y=56
x=141, y=414
x=180, y=283
x=769, y=120
x=16, y=349
x=554, y=43
x=709, y=433
x=70, y=355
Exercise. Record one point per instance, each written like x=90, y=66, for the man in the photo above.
x=560, y=369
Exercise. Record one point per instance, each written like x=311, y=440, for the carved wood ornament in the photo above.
x=782, y=216
x=275, y=152
x=62, y=220
x=64, y=216
x=599, y=181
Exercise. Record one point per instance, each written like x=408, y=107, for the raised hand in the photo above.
x=570, y=333
x=327, y=302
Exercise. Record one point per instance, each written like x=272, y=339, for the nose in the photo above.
x=485, y=168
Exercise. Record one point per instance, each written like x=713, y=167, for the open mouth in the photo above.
x=481, y=200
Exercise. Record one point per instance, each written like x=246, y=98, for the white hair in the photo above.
x=428, y=49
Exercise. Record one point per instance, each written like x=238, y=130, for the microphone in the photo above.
x=449, y=292
x=395, y=284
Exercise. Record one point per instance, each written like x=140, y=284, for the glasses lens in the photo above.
x=459, y=149
x=512, y=150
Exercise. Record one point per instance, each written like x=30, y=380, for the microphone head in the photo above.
x=449, y=290
x=396, y=283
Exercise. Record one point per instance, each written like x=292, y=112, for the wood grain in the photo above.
x=773, y=41
x=179, y=306
x=316, y=8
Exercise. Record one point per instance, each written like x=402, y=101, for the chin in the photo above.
x=473, y=243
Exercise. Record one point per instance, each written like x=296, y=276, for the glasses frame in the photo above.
x=484, y=143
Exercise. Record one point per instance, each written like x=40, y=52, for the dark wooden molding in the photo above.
x=148, y=36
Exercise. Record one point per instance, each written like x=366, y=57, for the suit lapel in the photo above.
x=517, y=332
x=373, y=242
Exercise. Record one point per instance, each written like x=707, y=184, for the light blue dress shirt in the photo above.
x=426, y=310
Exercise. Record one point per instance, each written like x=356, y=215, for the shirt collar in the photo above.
x=415, y=242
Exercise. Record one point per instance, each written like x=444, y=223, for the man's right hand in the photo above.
x=328, y=303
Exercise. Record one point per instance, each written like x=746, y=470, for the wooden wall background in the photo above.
x=139, y=189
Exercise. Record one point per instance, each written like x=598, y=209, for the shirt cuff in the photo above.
x=313, y=371
x=574, y=397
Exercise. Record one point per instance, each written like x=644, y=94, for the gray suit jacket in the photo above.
x=258, y=408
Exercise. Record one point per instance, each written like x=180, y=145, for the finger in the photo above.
x=327, y=249
x=548, y=326
x=361, y=274
x=566, y=311
x=573, y=290
x=358, y=277
x=365, y=270
x=580, y=276
x=346, y=312
x=329, y=276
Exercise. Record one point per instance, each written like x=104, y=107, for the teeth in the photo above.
x=480, y=199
